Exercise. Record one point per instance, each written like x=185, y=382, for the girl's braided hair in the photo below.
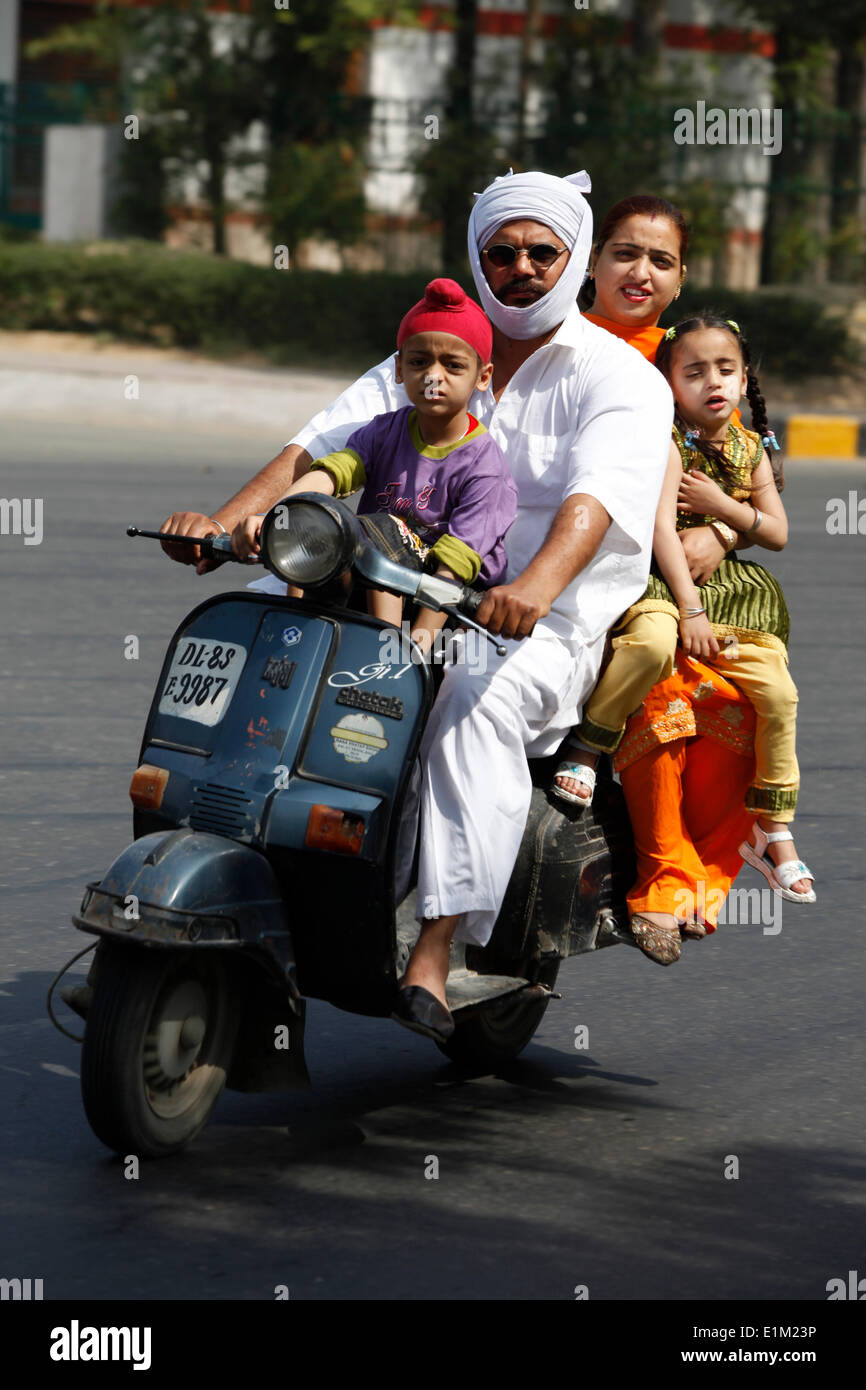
x=757, y=405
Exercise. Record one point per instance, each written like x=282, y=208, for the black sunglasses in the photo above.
x=543, y=255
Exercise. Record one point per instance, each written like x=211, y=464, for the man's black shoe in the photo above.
x=421, y=1011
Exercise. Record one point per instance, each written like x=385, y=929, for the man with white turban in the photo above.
x=585, y=424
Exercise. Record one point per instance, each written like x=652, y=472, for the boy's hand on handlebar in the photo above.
x=697, y=637
x=190, y=524
x=246, y=536
x=511, y=610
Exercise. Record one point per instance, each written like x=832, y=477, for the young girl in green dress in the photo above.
x=719, y=474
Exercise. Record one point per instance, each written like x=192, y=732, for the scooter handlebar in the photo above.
x=465, y=609
x=470, y=601
x=218, y=547
x=466, y=601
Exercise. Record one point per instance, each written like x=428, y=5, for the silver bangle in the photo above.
x=691, y=612
x=220, y=525
x=759, y=517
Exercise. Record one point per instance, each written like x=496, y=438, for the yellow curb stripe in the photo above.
x=822, y=436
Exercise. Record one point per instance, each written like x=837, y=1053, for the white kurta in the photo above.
x=585, y=413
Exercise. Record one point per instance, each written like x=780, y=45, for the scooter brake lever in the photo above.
x=454, y=612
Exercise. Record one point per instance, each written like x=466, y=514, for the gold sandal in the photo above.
x=661, y=944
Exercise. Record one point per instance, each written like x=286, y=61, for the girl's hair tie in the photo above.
x=769, y=441
x=733, y=324
x=690, y=437
x=671, y=333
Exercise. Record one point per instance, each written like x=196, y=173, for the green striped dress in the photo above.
x=742, y=599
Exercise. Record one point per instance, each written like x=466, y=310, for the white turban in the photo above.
x=556, y=203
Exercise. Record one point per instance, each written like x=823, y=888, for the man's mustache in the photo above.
x=513, y=286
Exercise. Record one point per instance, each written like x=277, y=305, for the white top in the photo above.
x=585, y=413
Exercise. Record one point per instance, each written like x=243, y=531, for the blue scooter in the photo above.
x=273, y=849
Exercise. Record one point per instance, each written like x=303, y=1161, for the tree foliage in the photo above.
x=465, y=155
x=315, y=190
x=607, y=107
x=819, y=82
x=199, y=79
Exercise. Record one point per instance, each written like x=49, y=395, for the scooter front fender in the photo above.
x=183, y=888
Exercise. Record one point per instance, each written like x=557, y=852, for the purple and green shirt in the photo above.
x=460, y=498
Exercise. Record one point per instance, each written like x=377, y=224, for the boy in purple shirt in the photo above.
x=441, y=483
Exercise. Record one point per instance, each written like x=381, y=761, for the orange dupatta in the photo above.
x=646, y=340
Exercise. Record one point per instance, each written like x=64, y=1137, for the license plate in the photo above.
x=202, y=679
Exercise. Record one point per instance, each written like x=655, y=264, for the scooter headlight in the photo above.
x=309, y=539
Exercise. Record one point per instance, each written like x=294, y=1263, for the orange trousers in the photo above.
x=685, y=801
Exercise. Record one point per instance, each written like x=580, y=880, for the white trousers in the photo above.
x=476, y=787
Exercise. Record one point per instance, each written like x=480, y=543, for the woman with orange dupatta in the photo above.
x=686, y=759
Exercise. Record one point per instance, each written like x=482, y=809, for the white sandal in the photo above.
x=580, y=773
x=779, y=876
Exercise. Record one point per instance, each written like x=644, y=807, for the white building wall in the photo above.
x=77, y=174
x=404, y=65
x=8, y=40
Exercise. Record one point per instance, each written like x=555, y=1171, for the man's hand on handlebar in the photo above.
x=190, y=524
x=511, y=610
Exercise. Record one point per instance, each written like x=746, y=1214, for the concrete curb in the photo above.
x=823, y=436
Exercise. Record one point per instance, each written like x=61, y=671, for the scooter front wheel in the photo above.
x=156, y=1048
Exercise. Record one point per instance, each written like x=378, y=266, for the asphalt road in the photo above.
x=604, y=1167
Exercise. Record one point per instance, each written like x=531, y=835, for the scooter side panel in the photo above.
x=313, y=708
x=369, y=713
x=231, y=756
x=302, y=728
x=361, y=744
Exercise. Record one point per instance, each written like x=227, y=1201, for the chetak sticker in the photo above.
x=359, y=737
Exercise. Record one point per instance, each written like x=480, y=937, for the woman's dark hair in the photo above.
x=638, y=205
x=757, y=405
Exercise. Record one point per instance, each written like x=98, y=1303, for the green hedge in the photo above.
x=146, y=293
